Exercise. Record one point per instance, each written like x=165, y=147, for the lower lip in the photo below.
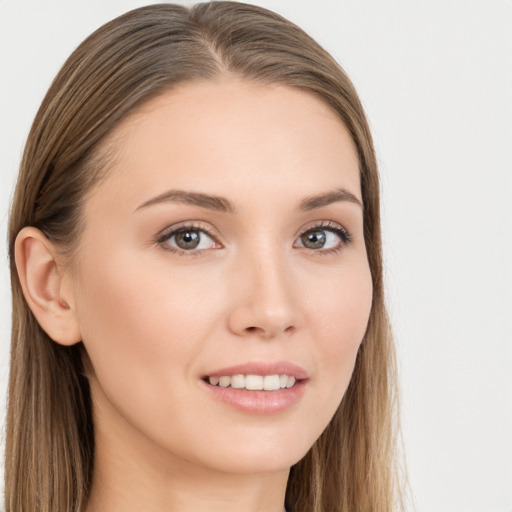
x=259, y=402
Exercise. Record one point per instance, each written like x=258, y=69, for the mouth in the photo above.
x=253, y=382
x=258, y=388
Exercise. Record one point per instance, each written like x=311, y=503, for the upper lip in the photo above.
x=262, y=368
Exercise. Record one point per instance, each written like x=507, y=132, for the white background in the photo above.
x=436, y=80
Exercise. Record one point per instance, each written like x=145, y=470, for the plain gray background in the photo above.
x=436, y=80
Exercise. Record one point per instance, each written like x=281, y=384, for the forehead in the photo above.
x=247, y=137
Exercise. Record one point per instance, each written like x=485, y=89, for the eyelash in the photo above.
x=344, y=236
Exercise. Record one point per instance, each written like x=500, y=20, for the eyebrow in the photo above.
x=325, y=199
x=210, y=202
x=221, y=204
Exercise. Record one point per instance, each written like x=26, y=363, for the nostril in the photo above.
x=269, y=333
x=253, y=329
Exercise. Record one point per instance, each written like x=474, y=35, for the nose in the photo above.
x=265, y=304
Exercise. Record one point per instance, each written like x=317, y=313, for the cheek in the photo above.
x=140, y=325
x=340, y=317
x=126, y=299
x=340, y=309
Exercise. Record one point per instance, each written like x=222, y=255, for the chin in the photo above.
x=266, y=461
x=265, y=452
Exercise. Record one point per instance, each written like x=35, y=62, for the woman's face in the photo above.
x=227, y=239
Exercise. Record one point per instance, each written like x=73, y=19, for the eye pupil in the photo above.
x=314, y=239
x=187, y=239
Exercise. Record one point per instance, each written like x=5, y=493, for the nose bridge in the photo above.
x=271, y=280
x=266, y=304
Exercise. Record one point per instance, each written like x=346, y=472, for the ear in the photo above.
x=46, y=286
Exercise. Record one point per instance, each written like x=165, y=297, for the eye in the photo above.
x=187, y=238
x=324, y=237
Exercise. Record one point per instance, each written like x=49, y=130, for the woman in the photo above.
x=198, y=315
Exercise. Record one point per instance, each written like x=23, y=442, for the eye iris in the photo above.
x=314, y=239
x=187, y=239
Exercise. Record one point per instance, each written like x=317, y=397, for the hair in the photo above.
x=137, y=56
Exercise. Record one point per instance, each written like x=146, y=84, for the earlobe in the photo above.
x=42, y=281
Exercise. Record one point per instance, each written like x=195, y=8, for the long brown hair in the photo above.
x=49, y=430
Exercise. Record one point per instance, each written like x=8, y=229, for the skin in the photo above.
x=154, y=320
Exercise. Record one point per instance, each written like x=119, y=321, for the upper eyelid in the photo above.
x=192, y=225
x=322, y=224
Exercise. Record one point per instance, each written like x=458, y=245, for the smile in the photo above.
x=258, y=387
x=254, y=382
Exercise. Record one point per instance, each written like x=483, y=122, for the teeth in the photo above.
x=224, y=382
x=271, y=383
x=238, y=381
x=254, y=382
